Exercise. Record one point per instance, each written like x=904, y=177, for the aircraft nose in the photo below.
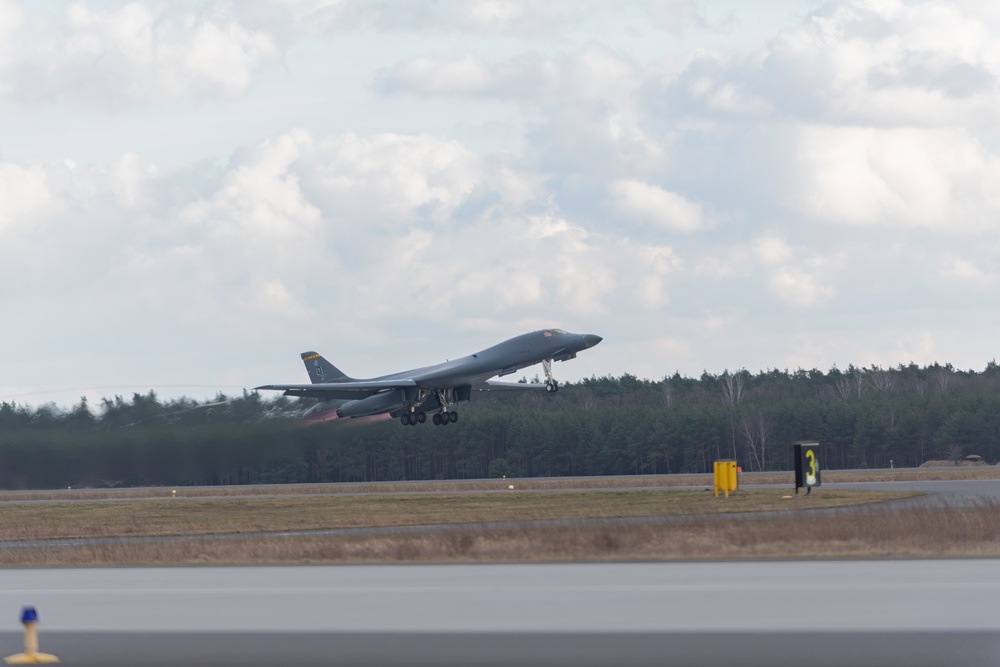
x=590, y=340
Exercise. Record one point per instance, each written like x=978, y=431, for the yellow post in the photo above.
x=725, y=477
x=31, y=656
x=720, y=477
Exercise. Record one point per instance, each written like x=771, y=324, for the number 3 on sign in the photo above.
x=811, y=475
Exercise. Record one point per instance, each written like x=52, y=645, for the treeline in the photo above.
x=863, y=417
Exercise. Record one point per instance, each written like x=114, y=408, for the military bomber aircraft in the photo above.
x=410, y=395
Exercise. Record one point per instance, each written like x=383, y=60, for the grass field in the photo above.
x=529, y=484
x=594, y=519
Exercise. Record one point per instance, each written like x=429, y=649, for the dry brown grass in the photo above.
x=910, y=532
x=682, y=523
x=161, y=517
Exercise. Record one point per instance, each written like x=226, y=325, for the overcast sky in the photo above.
x=192, y=193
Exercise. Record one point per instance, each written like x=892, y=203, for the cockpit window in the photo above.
x=554, y=332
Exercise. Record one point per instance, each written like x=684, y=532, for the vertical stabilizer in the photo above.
x=320, y=370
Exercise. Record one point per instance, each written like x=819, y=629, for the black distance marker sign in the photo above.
x=807, y=470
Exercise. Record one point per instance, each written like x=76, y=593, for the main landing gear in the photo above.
x=439, y=418
x=445, y=418
x=412, y=418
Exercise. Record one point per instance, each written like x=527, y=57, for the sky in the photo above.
x=193, y=193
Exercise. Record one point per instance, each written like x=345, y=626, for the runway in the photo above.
x=953, y=493
x=914, y=613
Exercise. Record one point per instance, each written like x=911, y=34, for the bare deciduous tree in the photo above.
x=732, y=395
x=732, y=389
x=755, y=431
x=881, y=379
x=943, y=377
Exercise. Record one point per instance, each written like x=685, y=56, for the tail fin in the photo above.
x=321, y=370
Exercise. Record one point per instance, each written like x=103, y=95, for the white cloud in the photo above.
x=531, y=264
x=260, y=202
x=511, y=16
x=909, y=178
x=24, y=196
x=918, y=347
x=585, y=107
x=799, y=288
x=595, y=73
x=772, y=250
x=275, y=298
x=469, y=74
x=11, y=26
x=127, y=55
x=298, y=227
x=672, y=15
x=718, y=323
x=516, y=187
x=130, y=180
x=965, y=271
x=651, y=273
x=719, y=94
x=390, y=179
x=486, y=18
x=866, y=63
x=481, y=17
x=730, y=98
x=655, y=205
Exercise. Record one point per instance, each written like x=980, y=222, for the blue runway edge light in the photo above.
x=31, y=655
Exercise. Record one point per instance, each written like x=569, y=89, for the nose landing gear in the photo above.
x=551, y=385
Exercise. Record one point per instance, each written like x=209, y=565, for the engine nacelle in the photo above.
x=323, y=411
x=385, y=401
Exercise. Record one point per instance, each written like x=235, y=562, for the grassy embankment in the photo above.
x=634, y=522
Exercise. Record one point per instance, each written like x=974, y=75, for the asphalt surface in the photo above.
x=938, y=492
x=914, y=613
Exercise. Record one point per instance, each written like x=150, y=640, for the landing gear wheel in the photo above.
x=421, y=417
x=436, y=419
x=452, y=417
x=404, y=419
x=552, y=386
